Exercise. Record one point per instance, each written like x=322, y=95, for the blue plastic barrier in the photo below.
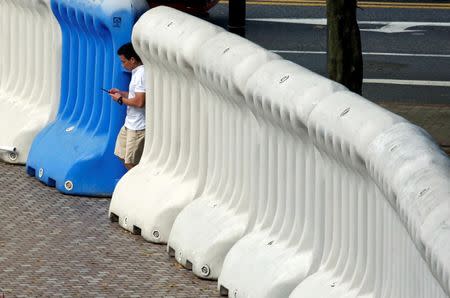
x=75, y=152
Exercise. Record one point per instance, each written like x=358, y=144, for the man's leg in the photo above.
x=135, y=147
x=121, y=143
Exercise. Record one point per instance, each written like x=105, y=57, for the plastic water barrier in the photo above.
x=172, y=170
x=30, y=70
x=75, y=152
x=277, y=181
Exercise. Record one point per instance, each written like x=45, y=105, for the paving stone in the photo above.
x=65, y=246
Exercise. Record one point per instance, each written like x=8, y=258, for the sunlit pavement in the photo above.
x=57, y=245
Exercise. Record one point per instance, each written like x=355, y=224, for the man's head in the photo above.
x=130, y=60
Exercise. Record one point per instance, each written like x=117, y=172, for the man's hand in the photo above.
x=115, y=96
x=114, y=91
x=117, y=91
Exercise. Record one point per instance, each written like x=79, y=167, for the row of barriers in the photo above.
x=256, y=172
x=276, y=181
x=56, y=55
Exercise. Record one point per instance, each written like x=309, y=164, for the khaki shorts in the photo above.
x=130, y=145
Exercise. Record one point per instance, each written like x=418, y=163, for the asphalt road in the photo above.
x=406, y=45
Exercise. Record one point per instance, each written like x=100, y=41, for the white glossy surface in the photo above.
x=206, y=229
x=30, y=73
x=291, y=185
x=173, y=168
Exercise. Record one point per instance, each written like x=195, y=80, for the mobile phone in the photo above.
x=103, y=89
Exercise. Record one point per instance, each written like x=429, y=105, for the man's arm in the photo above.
x=122, y=93
x=138, y=101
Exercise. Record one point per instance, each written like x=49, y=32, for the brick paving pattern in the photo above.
x=58, y=245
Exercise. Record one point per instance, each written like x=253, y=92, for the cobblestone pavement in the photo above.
x=58, y=245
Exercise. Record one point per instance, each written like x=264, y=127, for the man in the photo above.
x=130, y=141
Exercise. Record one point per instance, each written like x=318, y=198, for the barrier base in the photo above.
x=75, y=162
x=202, y=235
x=150, y=202
x=263, y=267
x=18, y=128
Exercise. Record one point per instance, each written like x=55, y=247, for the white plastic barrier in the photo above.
x=30, y=71
x=205, y=230
x=283, y=234
x=342, y=238
x=367, y=248
x=326, y=193
x=173, y=167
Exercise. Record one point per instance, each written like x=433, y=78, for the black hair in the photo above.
x=128, y=51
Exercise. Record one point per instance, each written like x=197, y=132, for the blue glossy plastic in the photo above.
x=75, y=153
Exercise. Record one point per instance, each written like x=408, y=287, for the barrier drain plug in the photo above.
x=155, y=234
x=41, y=172
x=13, y=156
x=205, y=270
x=68, y=185
x=235, y=293
x=125, y=221
x=179, y=256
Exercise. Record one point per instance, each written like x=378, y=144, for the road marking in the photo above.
x=361, y=4
x=386, y=27
x=408, y=82
x=386, y=81
x=366, y=53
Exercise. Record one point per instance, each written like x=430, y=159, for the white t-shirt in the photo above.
x=135, y=119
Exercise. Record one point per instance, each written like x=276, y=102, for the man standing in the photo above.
x=130, y=141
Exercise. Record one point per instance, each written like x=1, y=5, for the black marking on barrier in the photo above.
x=344, y=112
x=424, y=191
x=117, y=22
x=393, y=148
x=284, y=79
